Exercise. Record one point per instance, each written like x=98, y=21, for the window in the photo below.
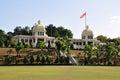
x=38, y=33
x=42, y=33
x=83, y=37
x=52, y=41
x=30, y=40
x=26, y=40
x=76, y=43
x=80, y=43
x=33, y=33
x=83, y=43
x=34, y=40
x=90, y=43
x=90, y=37
x=73, y=42
x=22, y=40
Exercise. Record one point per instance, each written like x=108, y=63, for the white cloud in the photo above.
x=115, y=19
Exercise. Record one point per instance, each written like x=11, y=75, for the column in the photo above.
x=35, y=42
x=86, y=42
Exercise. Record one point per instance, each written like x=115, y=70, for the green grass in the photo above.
x=59, y=73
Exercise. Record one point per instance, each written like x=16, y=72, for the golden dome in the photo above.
x=38, y=27
x=87, y=32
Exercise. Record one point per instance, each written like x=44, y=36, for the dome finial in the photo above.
x=39, y=22
x=87, y=26
x=87, y=32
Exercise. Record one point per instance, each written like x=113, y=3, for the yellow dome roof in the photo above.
x=87, y=32
x=38, y=27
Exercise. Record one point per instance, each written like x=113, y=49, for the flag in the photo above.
x=83, y=15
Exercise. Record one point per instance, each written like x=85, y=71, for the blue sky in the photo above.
x=103, y=16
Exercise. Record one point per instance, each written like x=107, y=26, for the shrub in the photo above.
x=31, y=59
x=25, y=60
x=43, y=60
x=38, y=59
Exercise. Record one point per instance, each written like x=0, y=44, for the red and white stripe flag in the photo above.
x=83, y=15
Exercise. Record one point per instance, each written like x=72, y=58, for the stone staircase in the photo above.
x=71, y=59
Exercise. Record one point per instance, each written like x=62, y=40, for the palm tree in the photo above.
x=88, y=52
x=63, y=45
x=19, y=47
x=97, y=51
x=111, y=51
x=59, y=45
x=41, y=45
x=27, y=45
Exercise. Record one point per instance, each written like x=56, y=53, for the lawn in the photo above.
x=59, y=73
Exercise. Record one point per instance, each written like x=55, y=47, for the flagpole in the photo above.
x=82, y=16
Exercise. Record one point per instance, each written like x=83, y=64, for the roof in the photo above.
x=87, y=32
x=38, y=27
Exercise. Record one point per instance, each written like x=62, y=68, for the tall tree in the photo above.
x=10, y=34
x=17, y=30
x=64, y=32
x=51, y=30
x=116, y=41
x=26, y=30
x=2, y=37
x=67, y=32
x=22, y=31
x=7, y=40
x=102, y=38
x=58, y=32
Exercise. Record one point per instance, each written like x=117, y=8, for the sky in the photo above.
x=103, y=16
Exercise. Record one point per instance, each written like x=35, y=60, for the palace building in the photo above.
x=39, y=34
x=87, y=37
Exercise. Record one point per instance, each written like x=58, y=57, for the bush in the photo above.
x=43, y=60
x=31, y=59
x=67, y=60
x=48, y=60
x=38, y=59
x=25, y=60
x=56, y=60
x=8, y=60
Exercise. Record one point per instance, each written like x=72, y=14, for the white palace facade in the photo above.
x=39, y=34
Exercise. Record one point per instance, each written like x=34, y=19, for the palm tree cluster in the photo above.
x=107, y=54
x=35, y=59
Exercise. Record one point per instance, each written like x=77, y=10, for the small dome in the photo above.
x=87, y=32
x=38, y=27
